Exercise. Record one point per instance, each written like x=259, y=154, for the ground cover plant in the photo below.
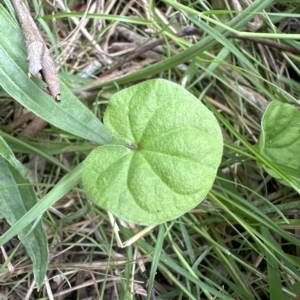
x=238, y=238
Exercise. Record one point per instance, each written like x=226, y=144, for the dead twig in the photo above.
x=39, y=59
x=266, y=42
x=186, y=32
x=195, y=31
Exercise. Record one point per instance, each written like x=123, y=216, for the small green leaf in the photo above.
x=17, y=198
x=280, y=136
x=174, y=147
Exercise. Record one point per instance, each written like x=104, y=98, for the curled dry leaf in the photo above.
x=39, y=59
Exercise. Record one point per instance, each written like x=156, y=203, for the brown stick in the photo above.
x=40, y=61
x=197, y=31
x=269, y=43
x=133, y=55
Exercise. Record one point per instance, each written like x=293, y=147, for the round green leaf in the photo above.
x=280, y=136
x=173, y=149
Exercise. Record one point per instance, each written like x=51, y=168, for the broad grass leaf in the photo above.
x=67, y=183
x=17, y=198
x=174, y=147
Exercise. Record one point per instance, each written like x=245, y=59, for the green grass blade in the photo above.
x=123, y=19
x=167, y=264
x=17, y=198
x=274, y=278
x=9, y=156
x=62, y=188
x=24, y=147
x=155, y=258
